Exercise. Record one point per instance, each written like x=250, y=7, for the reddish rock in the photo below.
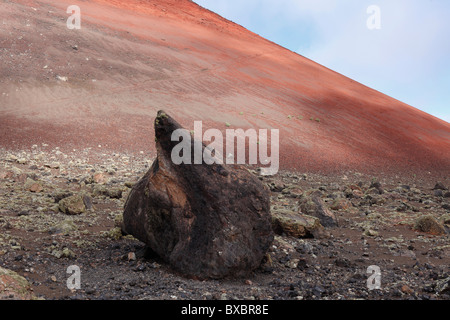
x=99, y=178
x=36, y=187
x=340, y=204
x=407, y=290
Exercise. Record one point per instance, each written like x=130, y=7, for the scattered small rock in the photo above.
x=205, y=220
x=342, y=262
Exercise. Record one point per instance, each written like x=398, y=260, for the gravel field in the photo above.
x=58, y=210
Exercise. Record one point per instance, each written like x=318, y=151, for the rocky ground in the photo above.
x=59, y=209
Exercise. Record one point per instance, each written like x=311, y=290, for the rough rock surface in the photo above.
x=13, y=286
x=72, y=205
x=314, y=206
x=206, y=221
x=296, y=225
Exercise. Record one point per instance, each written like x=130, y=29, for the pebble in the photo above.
x=407, y=290
x=131, y=256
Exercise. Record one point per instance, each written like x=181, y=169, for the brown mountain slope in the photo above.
x=132, y=58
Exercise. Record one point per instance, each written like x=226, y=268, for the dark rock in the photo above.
x=314, y=206
x=357, y=278
x=23, y=213
x=439, y=186
x=302, y=264
x=318, y=290
x=342, y=262
x=87, y=200
x=376, y=185
x=373, y=191
x=60, y=194
x=206, y=221
x=292, y=191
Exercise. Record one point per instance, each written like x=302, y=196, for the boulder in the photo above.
x=205, y=220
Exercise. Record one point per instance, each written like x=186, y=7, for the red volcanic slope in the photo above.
x=131, y=58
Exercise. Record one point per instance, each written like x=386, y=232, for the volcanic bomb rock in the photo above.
x=206, y=221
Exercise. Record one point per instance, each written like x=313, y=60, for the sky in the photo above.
x=398, y=47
